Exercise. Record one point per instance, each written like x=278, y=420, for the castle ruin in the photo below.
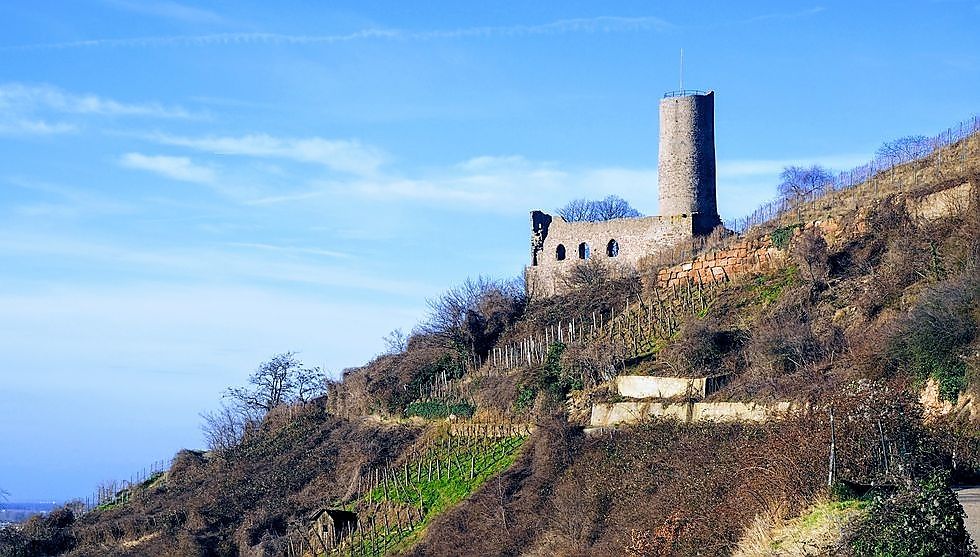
x=688, y=204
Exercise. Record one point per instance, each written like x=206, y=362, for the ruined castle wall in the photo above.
x=634, y=238
x=687, y=158
x=741, y=257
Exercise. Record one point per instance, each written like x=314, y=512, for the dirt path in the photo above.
x=970, y=499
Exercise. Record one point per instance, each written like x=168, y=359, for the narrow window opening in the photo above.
x=612, y=248
x=560, y=252
x=583, y=251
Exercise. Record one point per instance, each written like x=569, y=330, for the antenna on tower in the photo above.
x=682, y=70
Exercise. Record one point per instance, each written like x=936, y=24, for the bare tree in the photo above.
x=612, y=207
x=796, y=183
x=905, y=149
x=396, y=342
x=577, y=210
x=281, y=380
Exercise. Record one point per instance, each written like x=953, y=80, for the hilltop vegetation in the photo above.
x=871, y=299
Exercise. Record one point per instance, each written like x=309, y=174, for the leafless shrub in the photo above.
x=225, y=427
x=590, y=364
x=640, y=543
x=782, y=348
x=472, y=315
x=591, y=274
x=809, y=250
x=576, y=303
x=575, y=509
x=878, y=429
x=699, y=347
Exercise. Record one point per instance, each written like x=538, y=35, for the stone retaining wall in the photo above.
x=746, y=256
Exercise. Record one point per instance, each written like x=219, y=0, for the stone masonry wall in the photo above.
x=686, y=169
x=745, y=256
x=634, y=237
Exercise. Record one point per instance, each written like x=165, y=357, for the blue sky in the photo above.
x=187, y=189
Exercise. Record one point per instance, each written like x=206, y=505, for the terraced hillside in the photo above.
x=856, y=306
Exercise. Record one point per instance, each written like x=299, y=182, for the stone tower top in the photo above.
x=687, y=157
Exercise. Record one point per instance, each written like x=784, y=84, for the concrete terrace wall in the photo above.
x=647, y=386
x=641, y=386
x=635, y=238
x=620, y=413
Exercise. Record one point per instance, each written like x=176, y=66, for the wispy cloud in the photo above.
x=55, y=200
x=20, y=126
x=350, y=156
x=177, y=168
x=291, y=250
x=591, y=25
x=209, y=263
x=600, y=24
x=20, y=97
x=504, y=184
x=780, y=16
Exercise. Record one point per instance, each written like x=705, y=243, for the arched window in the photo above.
x=560, y=252
x=583, y=251
x=612, y=248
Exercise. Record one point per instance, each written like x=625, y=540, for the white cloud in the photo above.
x=588, y=25
x=344, y=155
x=506, y=184
x=599, y=24
x=292, y=250
x=19, y=126
x=514, y=184
x=780, y=16
x=21, y=98
x=177, y=168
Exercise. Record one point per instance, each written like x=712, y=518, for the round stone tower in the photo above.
x=687, y=158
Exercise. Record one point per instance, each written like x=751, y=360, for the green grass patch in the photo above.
x=820, y=513
x=782, y=236
x=768, y=288
x=464, y=464
x=432, y=409
x=820, y=526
